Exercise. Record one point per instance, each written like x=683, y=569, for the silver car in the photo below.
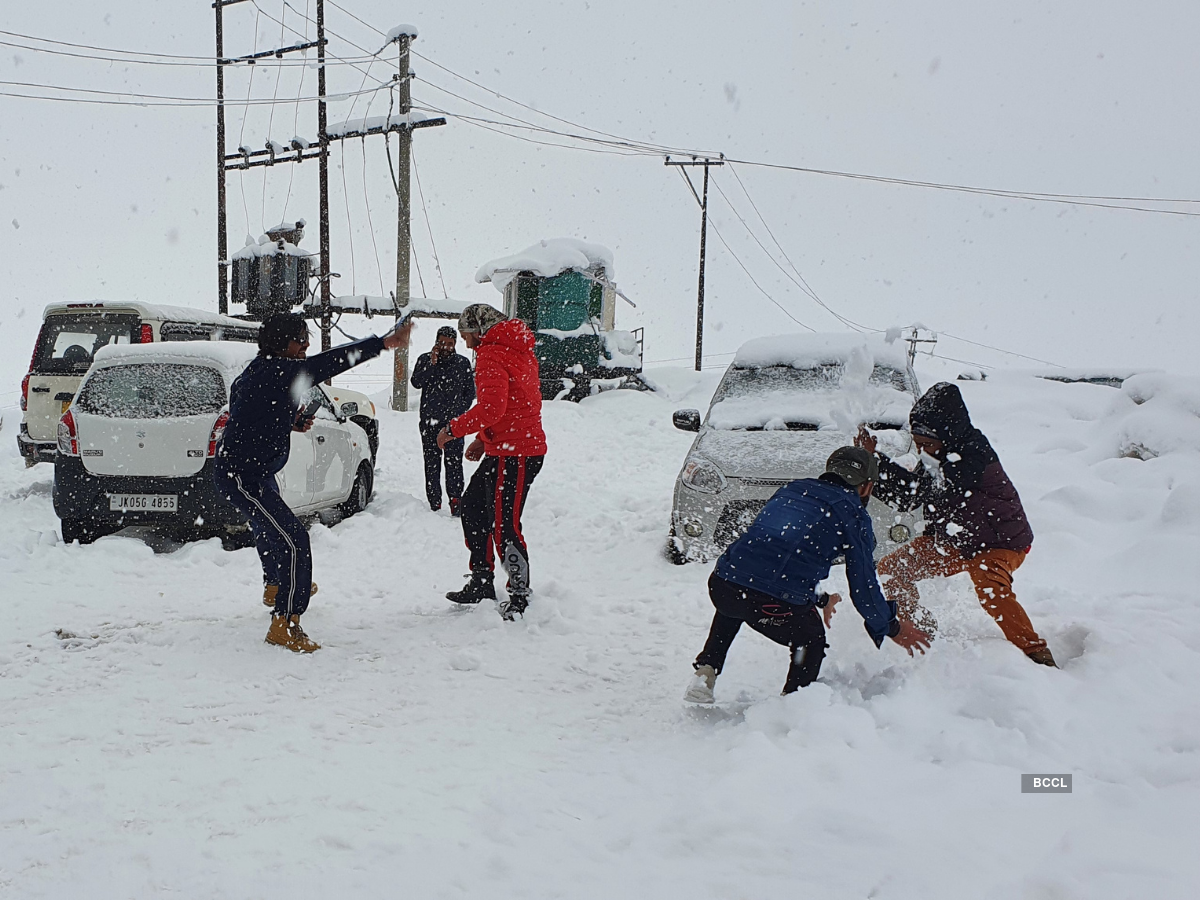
x=781, y=408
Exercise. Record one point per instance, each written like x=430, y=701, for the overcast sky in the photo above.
x=1093, y=98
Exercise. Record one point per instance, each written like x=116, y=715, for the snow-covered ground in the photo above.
x=150, y=743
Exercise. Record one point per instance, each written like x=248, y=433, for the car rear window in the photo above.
x=152, y=391
x=68, y=342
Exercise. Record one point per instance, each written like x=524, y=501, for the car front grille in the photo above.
x=766, y=482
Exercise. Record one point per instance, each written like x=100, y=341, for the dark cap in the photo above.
x=853, y=465
x=275, y=333
x=447, y=331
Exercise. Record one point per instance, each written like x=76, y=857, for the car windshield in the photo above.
x=67, y=343
x=747, y=382
x=152, y=391
x=778, y=398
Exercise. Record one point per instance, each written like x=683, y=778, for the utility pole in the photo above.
x=222, y=246
x=914, y=338
x=403, y=238
x=703, y=201
x=326, y=277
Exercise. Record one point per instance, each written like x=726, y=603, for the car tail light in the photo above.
x=25, y=392
x=217, y=433
x=68, y=438
x=146, y=334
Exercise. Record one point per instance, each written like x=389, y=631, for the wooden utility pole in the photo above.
x=403, y=241
x=703, y=201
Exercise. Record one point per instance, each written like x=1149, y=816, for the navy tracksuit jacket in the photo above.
x=447, y=391
x=264, y=401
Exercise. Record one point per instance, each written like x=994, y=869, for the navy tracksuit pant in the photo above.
x=453, y=453
x=280, y=538
x=491, y=517
x=799, y=628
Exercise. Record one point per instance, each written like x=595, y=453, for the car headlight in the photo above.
x=899, y=533
x=701, y=475
x=693, y=529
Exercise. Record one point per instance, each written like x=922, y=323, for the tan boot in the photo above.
x=285, y=631
x=271, y=591
x=1043, y=657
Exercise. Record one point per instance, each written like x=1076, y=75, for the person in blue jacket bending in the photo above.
x=768, y=577
x=264, y=403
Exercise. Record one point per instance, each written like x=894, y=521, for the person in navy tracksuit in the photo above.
x=263, y=407
x=768, y=577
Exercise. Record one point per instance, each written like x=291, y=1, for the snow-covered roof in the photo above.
x=229, y=357
x=803, y=351
x=549, y=258
x=156, y=311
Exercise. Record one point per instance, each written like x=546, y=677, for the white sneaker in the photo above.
x=701, y=688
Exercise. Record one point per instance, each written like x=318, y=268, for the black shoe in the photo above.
x=478, y=588
x=514, y=606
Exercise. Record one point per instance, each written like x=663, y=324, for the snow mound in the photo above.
x=803, y=351
x=549, y=258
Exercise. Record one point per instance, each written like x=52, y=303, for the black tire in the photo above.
x=83, y=531
x=360, y=493
x=237, y=540
x=674, y=554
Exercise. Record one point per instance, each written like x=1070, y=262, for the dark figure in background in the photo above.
x=264, y=404
x=974, y=521
x=447, y=387
x=768, y=577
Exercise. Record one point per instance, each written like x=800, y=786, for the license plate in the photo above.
x=143, y=502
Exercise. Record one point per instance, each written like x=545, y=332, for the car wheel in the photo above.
x=79, y=530
x=674, y=551
x=360, y=494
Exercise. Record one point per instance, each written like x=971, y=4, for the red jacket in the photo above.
x=508, y=395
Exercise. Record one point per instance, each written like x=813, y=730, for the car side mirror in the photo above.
x=686, y=419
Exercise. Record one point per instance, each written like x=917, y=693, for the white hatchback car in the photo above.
x=782, y=407
x=136, y=446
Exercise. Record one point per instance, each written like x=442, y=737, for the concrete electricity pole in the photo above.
x=703, y=201
x=403, y=242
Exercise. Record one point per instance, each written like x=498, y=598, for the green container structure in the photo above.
x=562, y=290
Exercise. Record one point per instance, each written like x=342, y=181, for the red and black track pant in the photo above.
x=491, y=517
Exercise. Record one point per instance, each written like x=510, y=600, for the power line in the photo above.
x=1045, y=362
x=736, y=259
x=156, y=99
x=803, y=287
x=428, y=227
x=136, y=57
x=1068, y=199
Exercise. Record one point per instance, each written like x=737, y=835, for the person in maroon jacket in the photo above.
x=974, y=521
x=507, y=419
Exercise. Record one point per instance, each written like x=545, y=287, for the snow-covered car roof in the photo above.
x=156, y=311
x=549, y=258
x=229, y=357
x=805, y=351
x=759, y=391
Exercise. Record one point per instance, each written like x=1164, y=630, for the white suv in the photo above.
x=136, y=445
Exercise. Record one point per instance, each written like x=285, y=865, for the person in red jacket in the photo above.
x=507, y=419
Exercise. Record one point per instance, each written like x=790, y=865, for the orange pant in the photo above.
x=991, y=571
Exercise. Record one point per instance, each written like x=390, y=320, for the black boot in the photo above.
x=514, y=606
x=480, y=587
